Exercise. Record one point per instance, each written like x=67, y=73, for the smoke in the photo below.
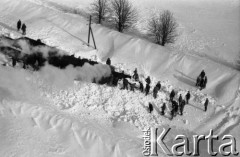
x=44, y=50
x=4, y=42
x=20, y=84
x=64, y=78
x=24, y=45
x=89, y=72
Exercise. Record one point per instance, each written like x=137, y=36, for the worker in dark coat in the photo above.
x=147, y=89
x=206, y=104
x=202, y=74
x=24, y=27
x=125, y=83
x=135, y=75
x=198, y=81
x=155, y=91
x=180, y=99
x=181, y=107
x=19, y=24
x=14, y=61
x=172, y=95
x=163, y=109
x=175, y=107
x=158, y=85
x=115, y=81
x=141, y=86
x=150, y=107
x=108, y=62
x=148, y=80
x=202, y=83
x=205, y=82
x=187, y=97
x=172, y=112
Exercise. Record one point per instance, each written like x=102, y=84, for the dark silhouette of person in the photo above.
x=172, y=111
x=202, y=74
x=24, y=65
x=180, y=99
x=158, y=85
x=147, y=89
x=172, y=95
x=141, y=86
x=125, y=83
x=148, y=80
x=135, y=75
x=14, y=62
x=206, y=104
x=24, y=27
x=202, y=83
x=19, y=24
x=40, y=42
x=150, y=107
x=108, y=62
x=155, y=91
x=163, y=109
x=181, y=107
x=205, y=82
x=187, y=97
x=198, y=81
x=175, y=107
x=115, y=81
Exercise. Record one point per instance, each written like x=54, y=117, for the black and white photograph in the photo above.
x=119, y=78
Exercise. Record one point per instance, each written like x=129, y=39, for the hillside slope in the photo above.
x=64, y=127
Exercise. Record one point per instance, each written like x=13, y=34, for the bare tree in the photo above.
x=99, y=10
x=163, y=28
x=125, y=15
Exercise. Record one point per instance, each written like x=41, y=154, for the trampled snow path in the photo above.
x=104, y=103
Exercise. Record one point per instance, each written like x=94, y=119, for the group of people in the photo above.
x=147, y=88
x=132, y=85
x=21, y=26
x=201, y=80
x=177, y=107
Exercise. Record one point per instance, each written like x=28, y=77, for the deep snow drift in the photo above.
x=40, y=117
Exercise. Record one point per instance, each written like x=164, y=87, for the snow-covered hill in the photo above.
x=46, y=113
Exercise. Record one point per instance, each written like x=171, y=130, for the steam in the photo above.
x=63, y=78
x=24, y=46
x=44, y=50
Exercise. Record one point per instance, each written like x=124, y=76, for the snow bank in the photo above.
x=69, y=32
x=32, y=126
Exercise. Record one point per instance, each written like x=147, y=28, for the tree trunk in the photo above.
x=120, y=27
x=99, y=19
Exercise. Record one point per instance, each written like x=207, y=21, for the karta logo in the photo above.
x=151, y=141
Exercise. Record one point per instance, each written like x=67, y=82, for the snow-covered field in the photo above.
x=47, y=113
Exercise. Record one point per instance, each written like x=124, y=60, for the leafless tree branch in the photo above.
x=125, y=15
x=99, y=10
x=163, y=28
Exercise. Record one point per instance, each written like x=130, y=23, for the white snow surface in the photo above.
x=47, y=113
